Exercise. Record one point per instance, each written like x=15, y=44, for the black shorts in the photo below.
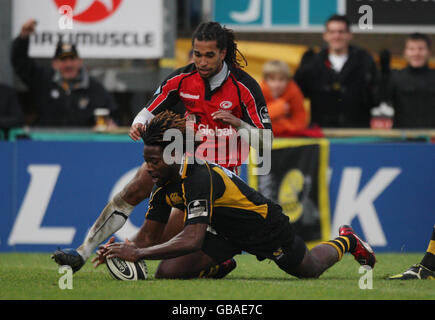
x=287, y=255
x=218, y=247
x=291, y=255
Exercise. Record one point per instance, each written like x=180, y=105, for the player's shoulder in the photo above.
x=202, y=172
x=244, y=78
x=182, y=72
x=194, y=169
x=157, y=192
x=185, y=70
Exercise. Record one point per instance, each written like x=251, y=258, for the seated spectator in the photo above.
x=340, y=80
x=284, y=99
x=11, y=115
x=412, y=90
x=65, y=94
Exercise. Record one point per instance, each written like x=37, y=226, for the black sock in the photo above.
x=428, y=260
x=352, y=241
x=209, y=272
x=343, y=244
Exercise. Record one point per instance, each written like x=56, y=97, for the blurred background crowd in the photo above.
x=331, y=77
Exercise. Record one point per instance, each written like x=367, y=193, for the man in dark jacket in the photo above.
x=11, y=114
x=412, y=90
x=65, y=94
x=340, y=80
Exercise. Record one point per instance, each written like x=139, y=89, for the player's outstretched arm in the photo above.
x=148, y=235
x=187, y=241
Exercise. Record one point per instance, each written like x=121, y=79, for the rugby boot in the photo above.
x=416, y=272
x=363, y=253
x=69, y=257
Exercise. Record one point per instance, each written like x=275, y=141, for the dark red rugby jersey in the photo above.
x=239, y=94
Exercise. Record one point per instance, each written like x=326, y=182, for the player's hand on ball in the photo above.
x=126, y=251
x=136, y=131
x=100, y=258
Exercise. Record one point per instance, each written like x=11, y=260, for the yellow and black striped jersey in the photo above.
x=213, y=195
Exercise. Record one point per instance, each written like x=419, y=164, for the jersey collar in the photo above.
x=219, y=78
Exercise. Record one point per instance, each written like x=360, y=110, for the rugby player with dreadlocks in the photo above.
x=223, y=217
x=220, y=98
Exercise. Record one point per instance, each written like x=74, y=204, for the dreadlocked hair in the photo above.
x=225, y=39
x=156, y=128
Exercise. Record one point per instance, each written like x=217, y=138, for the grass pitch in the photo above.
x=36, y=276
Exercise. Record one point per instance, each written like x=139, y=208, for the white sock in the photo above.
x=111, y=219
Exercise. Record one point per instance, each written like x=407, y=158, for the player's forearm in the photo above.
x=143, y=117
x=168, y=250
x=144, y=242
x=149, y=234
x=187, y=241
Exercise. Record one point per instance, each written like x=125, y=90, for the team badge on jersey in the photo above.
x=226, y=104
x=175, y=198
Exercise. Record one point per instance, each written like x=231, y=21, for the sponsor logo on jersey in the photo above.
x=207, y=131
x=264, y=114
x=189, y=96
x=197, y=208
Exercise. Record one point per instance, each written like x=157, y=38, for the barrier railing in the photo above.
x=121, y=134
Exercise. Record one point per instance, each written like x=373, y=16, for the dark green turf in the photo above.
x=35, y=276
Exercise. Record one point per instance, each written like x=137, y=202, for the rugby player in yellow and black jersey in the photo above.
x=223, y=217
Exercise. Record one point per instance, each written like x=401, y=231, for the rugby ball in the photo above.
x=125, y=270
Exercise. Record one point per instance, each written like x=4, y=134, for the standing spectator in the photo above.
x=412, y=89
x=65, y=94
x=284, y=99
x=11, y=114
x=340, y=80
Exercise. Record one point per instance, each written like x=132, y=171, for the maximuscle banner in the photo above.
x=52, y=192
x=298, y=182
x=100, y=29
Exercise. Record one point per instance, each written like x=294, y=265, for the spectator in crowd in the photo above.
x=412, y=90
x=11, y=114
x=340, y=80
x=65, y=94
x=284, y=99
